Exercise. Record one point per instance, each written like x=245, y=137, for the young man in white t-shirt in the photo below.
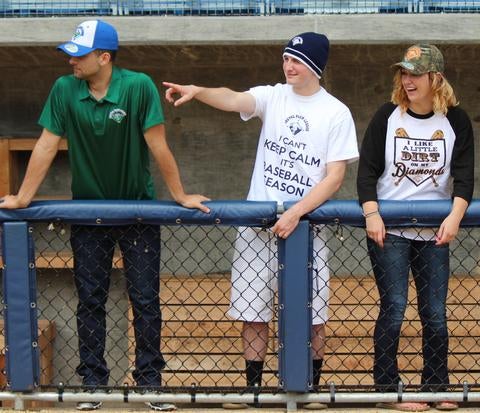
x=307, y=139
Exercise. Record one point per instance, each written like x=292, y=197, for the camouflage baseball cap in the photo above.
x=422, y=58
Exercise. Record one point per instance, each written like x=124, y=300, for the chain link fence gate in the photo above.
x=202, y=346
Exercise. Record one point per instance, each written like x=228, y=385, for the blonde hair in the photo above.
x=443, y=94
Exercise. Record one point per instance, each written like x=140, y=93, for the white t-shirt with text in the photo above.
x=300, y=135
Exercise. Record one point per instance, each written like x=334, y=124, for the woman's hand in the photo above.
x=375, y=228
x=448, y=229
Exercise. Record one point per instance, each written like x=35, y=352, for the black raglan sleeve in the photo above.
x=463, y=156
x=372, y=154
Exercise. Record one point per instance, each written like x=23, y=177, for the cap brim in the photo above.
x=73, y=49
x=408, y=66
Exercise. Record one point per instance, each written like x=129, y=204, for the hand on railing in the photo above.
x=12, y=202
x=286, y=224
x=195, y=201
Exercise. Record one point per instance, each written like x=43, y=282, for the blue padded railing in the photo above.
x=246, y=213
x=294, y=257
x=394, y=213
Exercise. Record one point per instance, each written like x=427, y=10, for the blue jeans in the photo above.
x=93, y=249
x=430, y=268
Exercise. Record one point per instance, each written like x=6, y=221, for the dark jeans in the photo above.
x=93, y=249
x=430, y=268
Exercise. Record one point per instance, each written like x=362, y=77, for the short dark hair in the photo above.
x=112, y=53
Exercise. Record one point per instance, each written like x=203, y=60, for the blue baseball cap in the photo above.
x=89, y=36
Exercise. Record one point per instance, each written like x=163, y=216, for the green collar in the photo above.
x=113, y=93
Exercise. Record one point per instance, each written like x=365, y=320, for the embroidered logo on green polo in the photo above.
x=117, y=115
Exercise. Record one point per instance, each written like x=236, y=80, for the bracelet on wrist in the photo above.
x=371, y=214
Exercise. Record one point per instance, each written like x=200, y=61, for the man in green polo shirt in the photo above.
x=111, y=117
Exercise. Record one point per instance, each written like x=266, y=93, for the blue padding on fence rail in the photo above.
x=295, y=310
x=394, y=213
x=246, y=213
x=19, y=283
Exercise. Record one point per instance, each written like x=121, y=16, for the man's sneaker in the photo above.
x=161, y=407
x=89, y=405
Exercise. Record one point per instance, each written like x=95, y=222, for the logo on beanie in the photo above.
x=297, y=40
x=296, y=124
x=117, y=115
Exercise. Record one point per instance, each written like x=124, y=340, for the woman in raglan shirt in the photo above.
x=418, y=147
x=307, y=139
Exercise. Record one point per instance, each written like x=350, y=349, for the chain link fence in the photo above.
x=212, y=275
x=48, y=8
x=202, y=345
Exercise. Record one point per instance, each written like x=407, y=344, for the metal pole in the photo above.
x=288, y=399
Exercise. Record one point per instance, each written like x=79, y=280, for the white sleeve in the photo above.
x=260, y=94
x=342, y=140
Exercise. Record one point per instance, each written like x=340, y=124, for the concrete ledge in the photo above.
x=171, y=30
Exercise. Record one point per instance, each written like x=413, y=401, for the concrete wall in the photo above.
x=169, y=30
x=216, y=150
